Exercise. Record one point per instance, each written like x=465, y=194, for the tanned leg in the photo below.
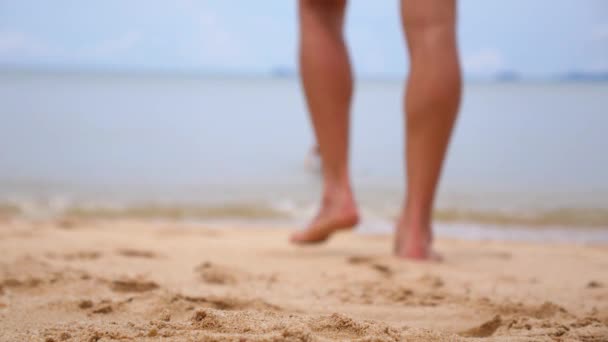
x=432, y=100
x=327, y=80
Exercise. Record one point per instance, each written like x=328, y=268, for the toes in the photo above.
x=297, y=238
x=306, y=237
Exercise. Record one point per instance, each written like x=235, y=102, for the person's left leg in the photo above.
x=328, y=87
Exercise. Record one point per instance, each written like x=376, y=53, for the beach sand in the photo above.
x=137, y=280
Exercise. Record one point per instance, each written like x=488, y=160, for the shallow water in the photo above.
x=525, y=155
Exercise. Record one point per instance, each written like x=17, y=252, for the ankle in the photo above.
x=414, y=223
x=415, y=228
x=416, y=217
x=337, y=190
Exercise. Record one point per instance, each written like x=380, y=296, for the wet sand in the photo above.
x=137, y=280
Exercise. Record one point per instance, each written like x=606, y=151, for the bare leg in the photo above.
x=327, y=80
x=431, y=103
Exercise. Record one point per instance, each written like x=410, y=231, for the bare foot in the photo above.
x=338, y=212
x=414, y=244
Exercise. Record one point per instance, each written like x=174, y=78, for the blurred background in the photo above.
x=192, y=110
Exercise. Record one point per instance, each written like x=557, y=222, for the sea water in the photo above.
x=527, y=160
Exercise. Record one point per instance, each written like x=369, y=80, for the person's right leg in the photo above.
x=432, y=101
x=327, y=81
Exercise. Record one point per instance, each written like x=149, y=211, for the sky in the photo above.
x=536, y=38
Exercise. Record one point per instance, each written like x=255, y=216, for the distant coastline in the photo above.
x=505, y=76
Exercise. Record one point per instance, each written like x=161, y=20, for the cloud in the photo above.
x=597, y=67
x=219, y=46
x=21, y=45
x=597, y=50
x=484, y=62
x=600, y=34
x=214, y=34
x=237, y=42
x=113, y=46
x=18, y=47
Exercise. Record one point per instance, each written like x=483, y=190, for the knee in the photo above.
x=430, y=27
x=324, y=6
x=328, y=13
x=434, y=37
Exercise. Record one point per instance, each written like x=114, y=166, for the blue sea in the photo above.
x=528, y=160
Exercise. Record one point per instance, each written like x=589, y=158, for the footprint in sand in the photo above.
x=370, y=262
x=594, y=285
x=133, y=285
x=501, y=255
x=67, y=223
x=431, y=281
x=390, y=292
x=21, y=283
x=81, y=255
x=85, y=304
x=216, y=274
x=134, y=253
x=228, y=303
x=374, y=292
x=104, y=307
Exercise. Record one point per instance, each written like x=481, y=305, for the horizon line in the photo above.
x=506, y=76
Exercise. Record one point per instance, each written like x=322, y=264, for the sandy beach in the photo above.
x=136, y=280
